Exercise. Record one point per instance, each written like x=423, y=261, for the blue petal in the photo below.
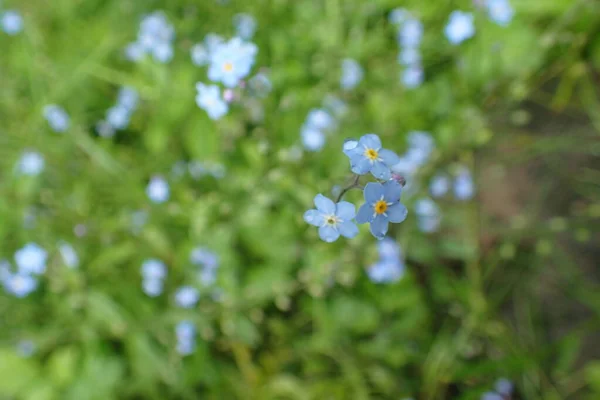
x=397, y=213
x=348, y=229
x=393, y=190
x=346, y=211
x=324, y=204
x=370, y=141
x=373, y=192
x=381, y=171
x=349, y=145
x=365, y=214
x=328, y=233
x=389, y=157
x=314, y=217
x=361, y=166
x=379, y=226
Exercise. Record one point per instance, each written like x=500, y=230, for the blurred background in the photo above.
x=157, y=157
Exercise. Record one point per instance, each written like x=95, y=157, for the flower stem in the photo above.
x=353, y=185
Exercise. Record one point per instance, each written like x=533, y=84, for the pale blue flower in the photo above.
x=187, y=296
x=500, y=11
x=212, y=42
x=207, y=276
x=390, y=266
x=152, y=287
x=118, y=117
x=26, y=348
x=128, y=98
x=68, y=254
x=245, y=25
x=158, y=190
x=12, y=22
x=153, y=269
x=428, y=215
x=398, y=16
x=460, y=27
x=185, y=331
x=504, y=386
x=312, y=139
x=163, y=52
x=352, y=74
x=439, y=185
x=200, y=55
x=104, y=129
x=335, y=106
x=410, y=33
x=31, y=163
x=369, y=156
x=31, y=259
x=260, y=85
x=155, y=38
x=231, y=62
x=319, y=119
x=382, y=205
x=138, y=220
x=209, y=99
x=464, y=188
x=491, y=396
x=409, y=56
x=134, y=51
x=204, y=257
x=57, y=118
x=20, y=284
x=412, y=76
x=332, y=219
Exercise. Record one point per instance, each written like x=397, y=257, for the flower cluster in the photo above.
x=463, y=186
x=153, y=274
x=460, y=27
x=118, y=116
x=57, y=118
x=382, y=199
x=352, y=74
x=503, y=390
x=390, y=266
x=207, y=263
x=31, y=263
x=409, y=36
x=11, y=22
x=155, y=37
x=185, y=332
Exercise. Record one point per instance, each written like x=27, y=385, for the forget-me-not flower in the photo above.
x=464, y=188
x=209, y=99
x=158, y=190
x=382, y=205
x=57, y=117
x=428, y=215
x=231, y=62
x=185, y=333
x=260, y=85
x=245, y=25
x=200, y=55
x=11, y=22
x=368, y=156
x=398, y=16
x=460, y=27
x=390, y=266
x=152, y=287
x=68, y=254
x=127, y=97
x=31, y=163
x=31, y=259
x=332, y=219
x=153, y=269
x=20, y=284
x=118, y=117
x=439, y=185
x=204, y=257
x=187, y=296
x=500, y=11
x=352, y=74
x=412, y=76
x=410, y=33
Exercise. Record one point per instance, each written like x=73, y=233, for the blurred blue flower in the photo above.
x=207, y=276
x=231, y=62
x=410, y=33
x=504, y=387
x=428, y=215
x=412, y=77
x=158, y=190
x=312, y=139
x=260, y=85
x=57, y=118
x=12, y=22
x=319, y=119
x=398, y=16
x=368, y=156
x=382, y=205
x=118, y=117
x=200, y=55
x=464, y=188
x=31, y=163
x=460, y=27
x=209, y=99
x=26, y=348
x=185, y=333
x=245, y=25
x=20, y=284
x=105, y=129
x=492, y=396
x=409, y=56
x=31, y=259
x=500, y=11
x=352, y=74
x=332, y=219
x=68, y=254
x=134, y=51
x=138, y=220
x=153, y=269
x=335, y=106
x=390, y=266
x=212, y=41
x=152, y=287
x=204, y=257
x=127, y=97
x=155, y=37
x=439, y=185
x=187, y=296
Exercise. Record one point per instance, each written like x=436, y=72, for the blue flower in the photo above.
x=382, y=205
x=231, y=62
x=332, y=219
x=185, y=331
x=245, y=25
x=118, y=117
x=57, y=118
x=439, y=186
x=26, y=348
x=464, y=188
x=200, y=55
x=187, y=296
x=352, y=74
x=204, y=257
x=504, y=387
x=209, y=99
x=31, y=259
x=105, y=129
x=31, y=163
x=390, y=266
x=398, y=16
x=68, y=254
x=20, y=284
x=152, y=287
x=154, y=269
x=260, y=85
x=500, y=11
x=428, y=215
x=368, y=156
x=409, y=56
x=460, y=27
x=335, y=106
x=312, y=139
x=410, y=33
x=12, y=22
x=412, y=76
x=127, y=97
x=155, y=37
x=158, y=190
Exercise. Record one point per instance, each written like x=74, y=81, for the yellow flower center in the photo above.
x=371, y=154
x=380, y=207
x=228, y=67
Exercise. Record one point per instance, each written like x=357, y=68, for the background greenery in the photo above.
x=507, y=288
